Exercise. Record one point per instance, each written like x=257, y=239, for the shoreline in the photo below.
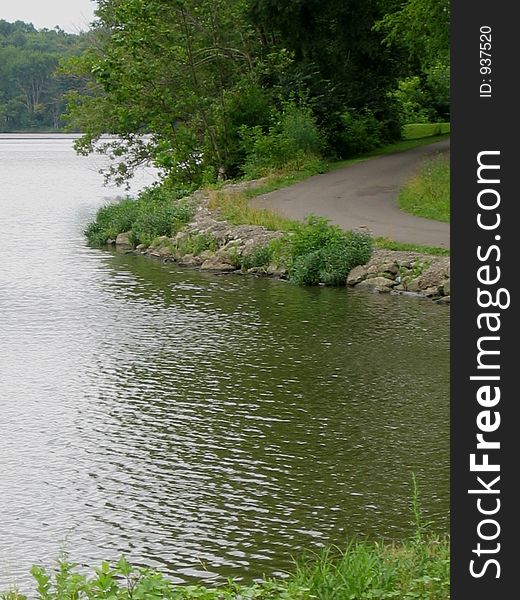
x=397, y=272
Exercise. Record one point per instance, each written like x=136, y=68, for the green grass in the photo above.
x=412, y=570
x=196, y=244
x=384, y=243
x=235, y=208
x=418, y=569
x=415, y=131
x=428, y=194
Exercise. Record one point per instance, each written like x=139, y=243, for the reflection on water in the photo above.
x=208, y=425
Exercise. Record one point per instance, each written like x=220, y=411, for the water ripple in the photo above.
x=208, y=426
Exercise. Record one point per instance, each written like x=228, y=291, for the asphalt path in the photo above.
x=364, y=195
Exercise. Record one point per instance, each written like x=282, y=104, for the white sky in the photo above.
x=71, y=15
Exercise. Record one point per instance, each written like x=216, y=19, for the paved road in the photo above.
x=365, y=195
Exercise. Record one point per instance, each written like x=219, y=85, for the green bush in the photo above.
x=412, y=100
x=247, y=105
x=425, y=98
x=260, y=256
x=361, y=132
x=318, y=252
x=156, y=211
x=293, y=139
x=438, y=88
x=111, y=220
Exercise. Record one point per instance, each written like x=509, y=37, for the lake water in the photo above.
x=207, y=425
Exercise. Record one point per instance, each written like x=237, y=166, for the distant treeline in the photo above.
x=31, y=94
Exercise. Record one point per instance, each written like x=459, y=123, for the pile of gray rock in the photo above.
x=401, y=272
x=229, y=244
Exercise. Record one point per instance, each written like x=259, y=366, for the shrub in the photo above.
x=361, y=132
x=156, y=211
x=425, y=98
x=438, y=88
x=247, y=105
x=412, y=101
x=260, y=256
x=293, y=139
x=111, y=220
x=318, y=252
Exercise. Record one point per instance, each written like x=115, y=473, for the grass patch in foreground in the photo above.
x=428, y=194
x=418, y=569
x=412, y=570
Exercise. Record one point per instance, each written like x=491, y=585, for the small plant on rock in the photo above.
x=197, y=243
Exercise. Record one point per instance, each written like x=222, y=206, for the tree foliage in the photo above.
x=186, y=83
x=176, y=71
x=422, y=27
x=340, y=64
x=30, y=96
x=216, y=88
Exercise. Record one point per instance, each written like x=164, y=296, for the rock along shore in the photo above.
x=388, y=271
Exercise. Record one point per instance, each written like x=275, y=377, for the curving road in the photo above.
x=365, y=195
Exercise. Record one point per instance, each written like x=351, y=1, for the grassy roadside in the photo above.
x=417, y=569
x=428, y=194
x=384, y=243
x=235, y=208
x=420, y=130
x=290, y=175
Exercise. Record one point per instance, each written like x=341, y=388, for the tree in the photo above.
x=423, y=28
x=169, y=70
x=31, y=97
x=340, y=63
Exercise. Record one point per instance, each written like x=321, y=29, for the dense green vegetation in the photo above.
x=157, y=211
x=318, y=252
x=428, y=194
x=31, y=95
x=245, y=87
x=415, y=570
